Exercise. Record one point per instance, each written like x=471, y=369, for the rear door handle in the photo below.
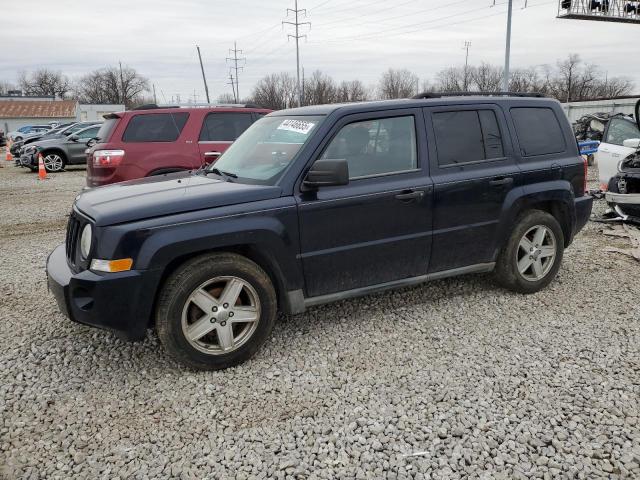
x=212, y=154
x=501, y=181
x=410, y=195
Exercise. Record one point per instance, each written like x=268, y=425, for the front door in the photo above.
x=611, y=151
x=77, y=148
x=473, y=170
x=376, y=229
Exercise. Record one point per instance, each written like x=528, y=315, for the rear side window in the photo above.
x=155, y=127
x=466, y=136
x=224, y=127
x=538, y=130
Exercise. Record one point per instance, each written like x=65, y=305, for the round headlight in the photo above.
x=85, y=241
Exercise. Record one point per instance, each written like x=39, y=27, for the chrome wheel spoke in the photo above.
x=547, y=251
x=200, y=328
x=244, y=314
x=538, y=237
x=525, y=244
x=524, y=264
x=537, y=268
x=203, y=300
x=231, y=293
x=225, y=336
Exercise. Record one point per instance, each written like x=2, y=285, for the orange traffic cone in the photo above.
x=8, y=157
x=42, y=172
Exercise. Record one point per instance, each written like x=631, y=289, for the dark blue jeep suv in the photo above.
x=317, y=204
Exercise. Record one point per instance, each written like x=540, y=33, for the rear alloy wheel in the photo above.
x=215, y=311
x=531, y=257
x=53, y=162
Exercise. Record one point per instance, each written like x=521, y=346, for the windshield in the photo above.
x=265, y=150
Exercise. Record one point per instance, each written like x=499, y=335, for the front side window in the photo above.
x=155, y=127
x=262, y=154
x=224, y=127
x=88, y=133
x=538, y=131
x=376, y=147
x=621, y=130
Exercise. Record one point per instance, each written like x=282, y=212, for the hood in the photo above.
x=166, y=195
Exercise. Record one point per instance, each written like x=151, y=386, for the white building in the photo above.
x=575, y=110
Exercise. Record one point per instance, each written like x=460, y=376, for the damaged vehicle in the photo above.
x=623, y=194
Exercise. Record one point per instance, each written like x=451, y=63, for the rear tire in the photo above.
x=531, y=257
x=215, y=311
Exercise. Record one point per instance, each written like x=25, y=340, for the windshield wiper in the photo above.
x=220, y=173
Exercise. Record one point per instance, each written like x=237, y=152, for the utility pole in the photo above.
x=155, y=99
x=235, y=61
x=121, y=85
x=507, y=52
x=204, y=79
x=303, y=83
x=233, y=87
x=296, y=11
x=467, y=45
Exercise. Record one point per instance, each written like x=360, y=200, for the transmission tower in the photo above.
x=235, y=60
x=297, y=24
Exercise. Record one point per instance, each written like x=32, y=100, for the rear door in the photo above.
x=219, y=130
x=473, y=170
x=612, y=150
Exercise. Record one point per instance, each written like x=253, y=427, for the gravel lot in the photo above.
x=476, y=381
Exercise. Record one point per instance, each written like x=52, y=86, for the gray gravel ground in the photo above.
x=477, y=381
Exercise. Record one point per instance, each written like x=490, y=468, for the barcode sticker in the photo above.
x=299, y=126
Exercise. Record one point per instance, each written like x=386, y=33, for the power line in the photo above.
x=296, y=11
x=235, y=61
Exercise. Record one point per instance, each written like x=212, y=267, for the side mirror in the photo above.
x=74, y=138
x=632, y=143
x=327, y=173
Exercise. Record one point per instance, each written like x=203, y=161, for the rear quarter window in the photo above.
x=538, y=130
x=155, y=127
x=105, y=129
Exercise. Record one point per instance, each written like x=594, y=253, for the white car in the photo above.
x=621, y=138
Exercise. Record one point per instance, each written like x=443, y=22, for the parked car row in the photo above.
x=309, y=206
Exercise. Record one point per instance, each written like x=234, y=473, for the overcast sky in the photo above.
x=348, y=39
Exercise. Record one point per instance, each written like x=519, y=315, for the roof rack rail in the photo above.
x=152, y=106
x=425, y=95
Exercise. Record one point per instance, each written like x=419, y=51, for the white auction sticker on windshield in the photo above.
x=299, y=126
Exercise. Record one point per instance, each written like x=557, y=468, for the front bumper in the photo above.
x=121, y=302
x=627, y=205
x=29, y=161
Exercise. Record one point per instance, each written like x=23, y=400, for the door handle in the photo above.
x=410, y=195
x=212, y=154
x=498, y=181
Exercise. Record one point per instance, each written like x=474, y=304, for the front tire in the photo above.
x=215, y=311
x=531, y=257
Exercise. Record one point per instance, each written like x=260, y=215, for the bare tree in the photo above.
x=486, y=77
x=397, y=84
x=226, y=98
x=44, y=82
x=5, y=87
x=275, y=91
x=450, y=80
x=112, y=85
x=527, y=80
x=351, y=91
x=319, y=89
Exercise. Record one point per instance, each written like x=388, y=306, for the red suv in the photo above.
x=152, y=140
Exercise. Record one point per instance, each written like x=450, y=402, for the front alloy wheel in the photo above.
x=214, y=311
x=221, y=315
x=53, y=162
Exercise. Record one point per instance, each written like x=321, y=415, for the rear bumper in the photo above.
x=583, y=206
x=625, y=204
x=121, y=302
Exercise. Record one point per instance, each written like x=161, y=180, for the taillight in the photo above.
x=107, y=158
x=586, y=171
